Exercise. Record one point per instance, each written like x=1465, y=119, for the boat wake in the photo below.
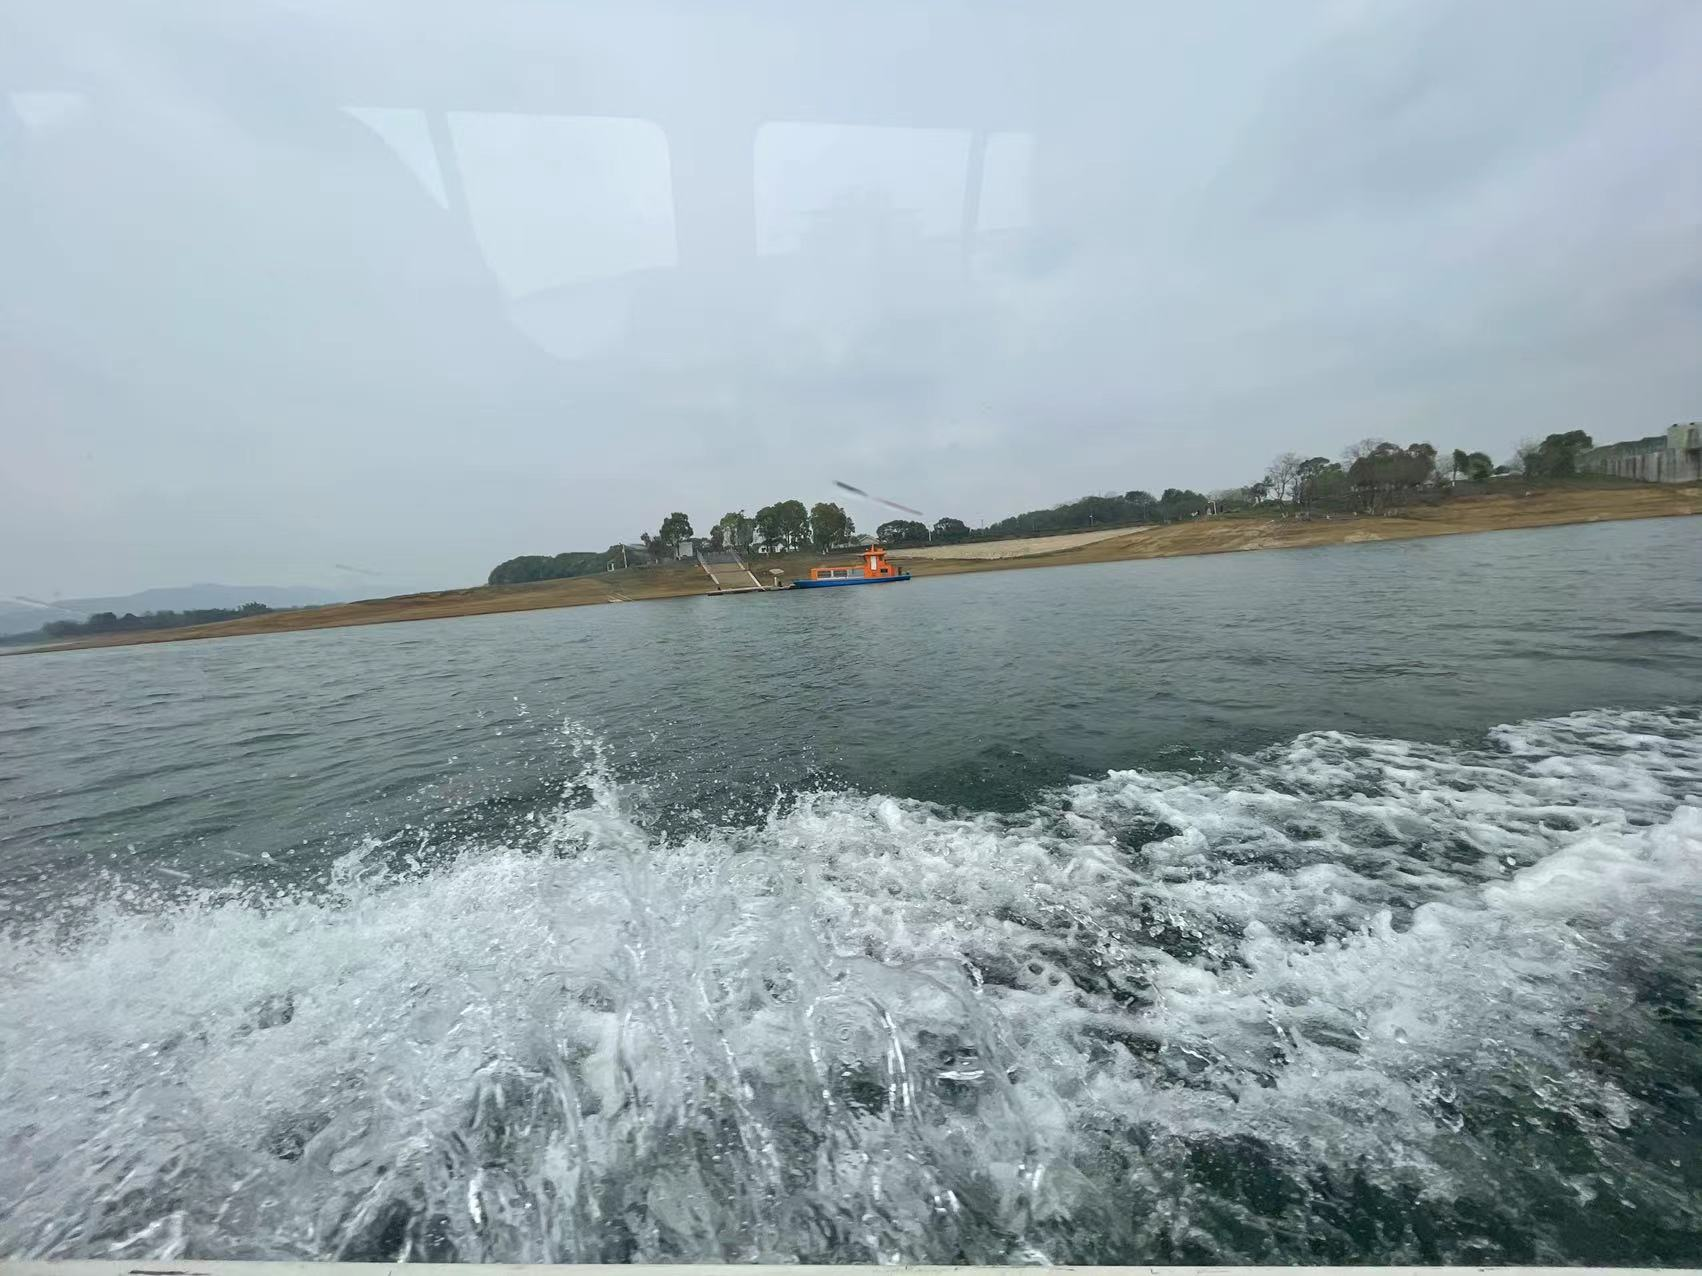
x=1343, y=1000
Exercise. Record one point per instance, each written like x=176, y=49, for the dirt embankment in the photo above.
x=1497, y=512
x=1492, y=513
x=1021, y=547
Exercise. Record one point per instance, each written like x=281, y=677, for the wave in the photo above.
x=1345, y=999
x=1670, y=635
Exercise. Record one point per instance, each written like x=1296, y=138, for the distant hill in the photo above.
x=22, y=615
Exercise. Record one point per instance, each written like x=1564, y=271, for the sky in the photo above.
x=372, y=297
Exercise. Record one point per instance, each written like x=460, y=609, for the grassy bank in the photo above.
x=1213, y=535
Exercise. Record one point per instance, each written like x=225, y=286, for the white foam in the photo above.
x=870, y=1028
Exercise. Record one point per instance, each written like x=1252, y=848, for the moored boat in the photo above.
x=873, y=568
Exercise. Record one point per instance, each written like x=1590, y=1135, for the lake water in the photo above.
x=1335, y=905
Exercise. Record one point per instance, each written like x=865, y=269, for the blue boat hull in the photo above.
x=850, y=580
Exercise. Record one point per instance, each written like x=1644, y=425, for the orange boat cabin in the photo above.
x=872, y=569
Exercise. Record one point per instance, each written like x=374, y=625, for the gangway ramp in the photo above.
x=728, y=571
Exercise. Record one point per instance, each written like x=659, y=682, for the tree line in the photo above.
x=530, y=567
x=1372, y=476
x=1105, y=510
x=106, y=622
x=784, y=526
x=779, y=528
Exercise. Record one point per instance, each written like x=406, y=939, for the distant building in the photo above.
x=1673, y=457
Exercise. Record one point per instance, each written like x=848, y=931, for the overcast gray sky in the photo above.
x=298, y=287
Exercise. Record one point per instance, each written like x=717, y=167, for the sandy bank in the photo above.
x=1021, y=547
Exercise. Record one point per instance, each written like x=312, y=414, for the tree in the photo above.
x=1556, y=456
x=1281, y=475
x=1365, y=447
x=950, y=529
x=901, y=531
x=1329, y=489
x=1479, y=467
x=1462, y=463
x=1567, y=448
x=1142, y=506
x=767, y=523
x=1178, y=503
x=794, y=524
x=737, y=529
x=515, y=571
x=675, y=529
x=1311, y=476
x=783, y=525
x=1420, y=466
x=1385, y=474
x=830, y=525
x=1228, y=499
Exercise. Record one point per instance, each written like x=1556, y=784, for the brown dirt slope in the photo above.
x=1497, y=512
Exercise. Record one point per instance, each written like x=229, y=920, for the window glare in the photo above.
x=558, y=199
x=406, y=133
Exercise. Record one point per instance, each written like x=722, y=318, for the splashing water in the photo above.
x=1345, y=999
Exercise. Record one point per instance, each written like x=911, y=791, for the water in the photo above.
x=1334, y=905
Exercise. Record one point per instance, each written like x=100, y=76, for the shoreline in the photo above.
x=1235, y=533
